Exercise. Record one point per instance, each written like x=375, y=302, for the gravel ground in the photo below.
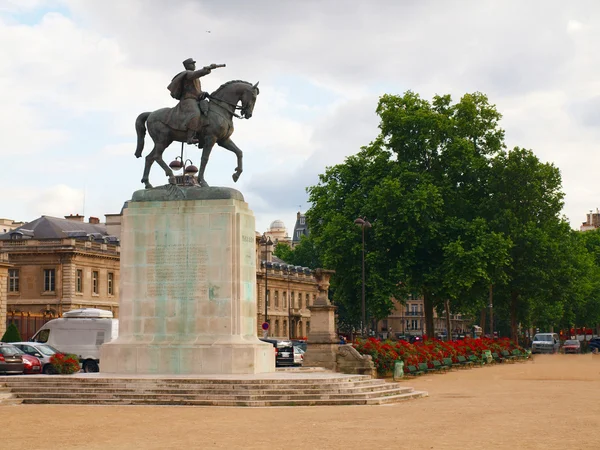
x=552, y=402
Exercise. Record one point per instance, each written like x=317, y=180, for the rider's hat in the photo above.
x=189, y=61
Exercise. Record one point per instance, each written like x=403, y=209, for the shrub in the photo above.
x=11, y=334
x=65, y=364
x=385, y=353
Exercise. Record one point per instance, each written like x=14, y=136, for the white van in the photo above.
x=80, y=332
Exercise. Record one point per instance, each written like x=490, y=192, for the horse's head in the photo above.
x=237, y=91
x=248, y=100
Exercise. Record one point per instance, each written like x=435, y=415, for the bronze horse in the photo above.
x=217, y=129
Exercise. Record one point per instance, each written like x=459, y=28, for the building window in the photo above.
x=111, y=283
x=49, y=280
x=302, y=220
x=414, y=324
x=13, y=280
x=284, y=300
x=300, y=300
x=277, y=300
x=95, y=281
x=268, y=298
x=277, y=328
x=79, y=281
x=292, y=303
x=307, y=300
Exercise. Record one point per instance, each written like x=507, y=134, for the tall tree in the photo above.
x=420, y=185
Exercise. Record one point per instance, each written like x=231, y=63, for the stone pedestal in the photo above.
x=188, y=286
x=322, y=340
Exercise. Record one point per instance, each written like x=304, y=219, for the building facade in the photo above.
x=408, y=319
x=300, y=229
x=592, y=221
x=287, y=291
x=4, y=267
x=7, y=225
x=58, y=265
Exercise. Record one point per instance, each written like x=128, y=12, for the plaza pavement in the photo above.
x=552, y=402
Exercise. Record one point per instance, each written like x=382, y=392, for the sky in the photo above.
x=75, y=74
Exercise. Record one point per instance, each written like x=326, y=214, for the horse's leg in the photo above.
x=209, y=142
x=230, y=145
x=168, y=172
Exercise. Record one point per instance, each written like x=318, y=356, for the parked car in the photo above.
x=545, y=343
x=32, y=365
x=298, y=356
x=594, y=344
x=572, y=346
x=284, y=351
x=41, y=351
x=11, y=361
x=302, y=344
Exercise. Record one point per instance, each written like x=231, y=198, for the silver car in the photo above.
x=545, y=343
x=41, y=351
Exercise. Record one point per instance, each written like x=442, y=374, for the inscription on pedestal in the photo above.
x=179, y=271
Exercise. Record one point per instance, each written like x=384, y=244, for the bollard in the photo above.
x=398, y=370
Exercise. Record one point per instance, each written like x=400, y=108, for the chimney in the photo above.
x=75, y=218
x=94, y=220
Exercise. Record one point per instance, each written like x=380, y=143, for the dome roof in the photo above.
x=277, y=224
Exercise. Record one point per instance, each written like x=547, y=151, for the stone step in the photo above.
x=227, y=396
x=161, y=391
x=151, y=385
x=288, y=390
x=7, y=397
x=77, y=378
x=221, y=402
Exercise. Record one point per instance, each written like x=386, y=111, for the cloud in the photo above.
x=74, y=76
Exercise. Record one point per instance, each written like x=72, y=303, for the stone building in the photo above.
x=7, y=225
x=278, y=233
x=4, y=266
x=288, y=291
x=409, y=320
x=58, y=265
x=300, y=229
x=592, y=221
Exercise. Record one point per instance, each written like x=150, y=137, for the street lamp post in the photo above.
x=266, y=241
x=363, y=223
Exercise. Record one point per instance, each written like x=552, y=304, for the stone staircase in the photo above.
x=7, y=397
x=282, y=390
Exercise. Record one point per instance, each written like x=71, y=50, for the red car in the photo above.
x=572, y=346
x=32, y=364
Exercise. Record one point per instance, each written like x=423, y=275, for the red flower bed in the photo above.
x=385, y=353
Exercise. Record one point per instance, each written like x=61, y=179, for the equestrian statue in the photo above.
x=199, y=118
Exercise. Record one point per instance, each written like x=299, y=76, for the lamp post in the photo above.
x=266, y=241
x=363, y=223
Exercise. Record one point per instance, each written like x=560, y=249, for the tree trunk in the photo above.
x=428, y=310
x=448, y=324
x=482, y=315
x=514, y=325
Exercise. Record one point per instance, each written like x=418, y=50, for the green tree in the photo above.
x=524, y=203
x=11, y=334
x=304, y=254
x=421, y=184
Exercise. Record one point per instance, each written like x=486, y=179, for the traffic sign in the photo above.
x=265, y=326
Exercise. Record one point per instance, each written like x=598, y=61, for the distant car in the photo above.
x=298, y=356
x=572, y=346
x=284, y=351
x=545, y=343
x=594, y=344
x=11, y=361
x=41, y=351
x=301, y=344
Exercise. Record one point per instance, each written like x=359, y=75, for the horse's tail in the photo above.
x=140, y=129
